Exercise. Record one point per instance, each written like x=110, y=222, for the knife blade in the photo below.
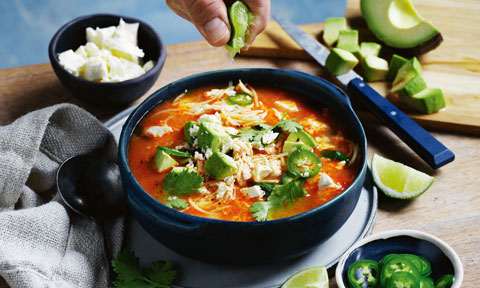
x=418, y=139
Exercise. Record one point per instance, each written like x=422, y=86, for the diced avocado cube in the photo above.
x=220, y=165
x=289, y=146
x=408, y=70
x=303, y=137
x=396, y=62
x=211, y=136
x=347, y=37
x=429, y=100
x=369, y=48
x=411, y=87
x=340, y=61
x=332, y=27
x=188, y=128
x=352, y=48
x=375, y=68
x=163, y=161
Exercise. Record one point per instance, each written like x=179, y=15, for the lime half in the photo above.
x=314, y=277
x=397, y=180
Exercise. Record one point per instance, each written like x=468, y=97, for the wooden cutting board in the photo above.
x=454, y=66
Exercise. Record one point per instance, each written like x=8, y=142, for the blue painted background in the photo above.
x=26, y=26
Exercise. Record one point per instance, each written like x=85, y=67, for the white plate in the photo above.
x=194, y=273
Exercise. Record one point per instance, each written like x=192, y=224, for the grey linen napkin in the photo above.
x=43, y=243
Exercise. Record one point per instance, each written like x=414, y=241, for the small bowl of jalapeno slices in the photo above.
x=400, y=258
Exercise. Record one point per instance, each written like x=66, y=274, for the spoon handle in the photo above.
x=106, y=251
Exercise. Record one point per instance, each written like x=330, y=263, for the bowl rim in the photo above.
x=442, y=245
x=187, y=218
x=157, y=39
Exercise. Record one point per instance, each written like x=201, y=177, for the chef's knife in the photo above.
x=423, y=143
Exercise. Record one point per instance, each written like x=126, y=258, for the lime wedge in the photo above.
x=397, y=180
x=314, y=277
x=240, y=18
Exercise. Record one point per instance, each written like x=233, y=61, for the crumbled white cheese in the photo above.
x=208, y=152
x=225, y=191
x=260, y=172
x=229, y=180
x=287, y=105
x=276, y=166
x=114, y=51
x=158, y=131
x=198, y=156
x=71, y=61
x=269, y=137
x=211, y=118
x=203, y=190
x=326, y=182
x=228, y=144
x=193, y=131
x=231, y=130
x=253, y=192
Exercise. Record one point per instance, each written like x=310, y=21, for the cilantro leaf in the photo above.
x=289, y=125
x=177, y=203
x=130, y=274
x=182, y=183
x=286, y=193
x=162, y=273
x=260, y=210
x=253, y=136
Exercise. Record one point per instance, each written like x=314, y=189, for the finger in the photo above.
x=261, y=12
x=210, y=18
x=179, y=8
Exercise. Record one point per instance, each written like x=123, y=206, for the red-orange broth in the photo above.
x=271, y=105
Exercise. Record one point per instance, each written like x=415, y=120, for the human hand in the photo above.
x=211, y=19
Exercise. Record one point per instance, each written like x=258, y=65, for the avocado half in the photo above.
x=398, y=24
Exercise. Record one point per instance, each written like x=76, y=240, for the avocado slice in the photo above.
x=411, y=87
x=220, y=165
x=369, y=48
x=408, y=70
x=186, y=131
x=396, y=62
x=375, y=68
x=428, y=100
x=346, y=37
x=303, y=137
x=163, y=161
x=332, y=27
x=340, y=61
x=211, y=135
x=397, y=23
x=290, y=146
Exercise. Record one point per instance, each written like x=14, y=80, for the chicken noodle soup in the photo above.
x=242, y=153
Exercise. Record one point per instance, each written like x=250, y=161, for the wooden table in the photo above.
x=450, y=210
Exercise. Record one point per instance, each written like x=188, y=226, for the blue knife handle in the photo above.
x=423, y=143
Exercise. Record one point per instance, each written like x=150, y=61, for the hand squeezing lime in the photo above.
x=240, y=18
x=397, y=180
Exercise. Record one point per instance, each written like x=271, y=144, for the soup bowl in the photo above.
x=220, y=241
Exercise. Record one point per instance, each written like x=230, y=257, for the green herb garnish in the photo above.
x=255, y=134
x=178, y=183
x=129, y=273
x=177, y=203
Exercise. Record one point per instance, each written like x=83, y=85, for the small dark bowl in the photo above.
x=374, y=247
x=246, y=242
x=72, y=35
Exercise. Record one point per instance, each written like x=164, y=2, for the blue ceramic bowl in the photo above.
x=374, y=247
x=245, y=242
x=72, y=35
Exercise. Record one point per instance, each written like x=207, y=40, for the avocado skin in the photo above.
x=220, y=165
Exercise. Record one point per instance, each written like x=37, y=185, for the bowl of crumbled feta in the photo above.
x=107, y=59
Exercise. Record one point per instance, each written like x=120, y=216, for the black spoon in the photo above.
x=90, y=185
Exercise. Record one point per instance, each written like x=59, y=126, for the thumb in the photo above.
x=211, y=20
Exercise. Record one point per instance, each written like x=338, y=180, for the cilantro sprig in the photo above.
x=280, y=196
x=161, y=274
x=177, y=203
x=255, y=135
x=178, y=183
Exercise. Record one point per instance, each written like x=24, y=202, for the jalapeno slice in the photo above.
x=363, y=274
x=242, y=99
x=426, y=267
x=174, y=152
x=445, y=281
x=426, y=282
x=334, y=155
x=397, y=263
x=403, y=279
x=303, y=163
